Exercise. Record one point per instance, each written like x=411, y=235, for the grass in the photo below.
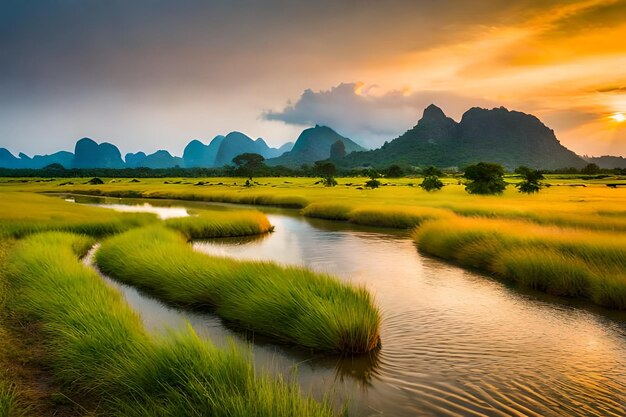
x=289, y=304
x=215, y=224
x=329, y=211
x=11, y=404
x=587, y=207
x=99, y=348
x=560, y=261
x=22, y=214
x=398, y=217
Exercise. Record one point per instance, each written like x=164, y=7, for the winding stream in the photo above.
x=455, y=342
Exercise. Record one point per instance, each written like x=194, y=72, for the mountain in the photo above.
x=286, y=147
x=312, y=145
x=509, y=138
x=197, y=154
x=159, y=159
x=133, y=160
x=88, y=154
x=8, y=160
x=236, y=143
x=41, y=161
x=607, y=161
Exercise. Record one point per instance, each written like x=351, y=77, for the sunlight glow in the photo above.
x=619, y=117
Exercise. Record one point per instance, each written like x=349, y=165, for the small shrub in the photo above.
x=373, y=183
x=431, y=184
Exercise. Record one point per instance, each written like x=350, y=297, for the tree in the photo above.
x=337, y=150
x=431, y=171
x=248, y=164
x=323, y=168
x=55, y=166
x=431, y=181
x=590, y=169
x=485, y=178
x=531, y=180
x=326, y=170
x=373, y=181
x=394, y=171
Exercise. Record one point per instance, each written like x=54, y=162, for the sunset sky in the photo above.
x=153, y=74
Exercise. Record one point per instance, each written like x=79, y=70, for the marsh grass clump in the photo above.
x=290, y=304
x=330, y=211
x=11, y=404
x=560, y=261
x=22, y=214
x=398, y=217
x=99, y=350
x=213, y=224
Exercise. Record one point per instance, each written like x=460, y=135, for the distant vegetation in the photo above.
x=485, y=178
x=431, y=181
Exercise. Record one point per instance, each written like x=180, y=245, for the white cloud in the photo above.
x=366, y=114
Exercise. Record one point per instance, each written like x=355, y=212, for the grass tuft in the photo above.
x=561, y=261
x=99, y=348
x=289, y=304
x=22, y=214
x=213, y=224
x=398, y=217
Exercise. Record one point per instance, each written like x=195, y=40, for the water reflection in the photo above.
x=454, y=342
x=165, y=211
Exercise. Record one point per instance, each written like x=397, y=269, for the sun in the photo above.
x=619, y=117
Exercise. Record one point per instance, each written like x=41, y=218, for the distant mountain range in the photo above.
x=498, y=135
x=510, y=138
x=89, y=154
x=314, y=145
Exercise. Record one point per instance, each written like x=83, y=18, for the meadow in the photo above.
x=568, y=240
x=98, y=348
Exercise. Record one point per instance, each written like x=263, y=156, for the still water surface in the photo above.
x=455, y=342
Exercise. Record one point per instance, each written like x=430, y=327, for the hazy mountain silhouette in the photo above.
x=8, y=160
x=159, y=159
x=133, y=160
x=312, y=145
x=197, y=154
x=63, y=158
x=607, y=161
x=88, y=154
x=510, y=138
x=236, y=143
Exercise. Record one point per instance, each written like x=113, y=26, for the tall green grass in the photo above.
x=289, y=304
x=561, y=261
x=396, y=217
x=100, y=350
x=234, y=197
x=399, y=217
x=10, y=402
x=11, y=405
x=220, y=224
x=22, y=214
x=329, y=211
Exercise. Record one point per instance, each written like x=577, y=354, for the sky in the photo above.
x=154, y=74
